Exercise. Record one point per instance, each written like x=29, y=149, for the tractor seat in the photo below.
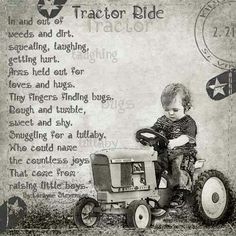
x=199, y=163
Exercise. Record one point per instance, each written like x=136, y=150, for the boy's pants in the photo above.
x=179, y=166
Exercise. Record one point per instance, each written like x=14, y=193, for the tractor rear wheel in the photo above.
x=213, y=198
x=83, y=212
x=138, y=214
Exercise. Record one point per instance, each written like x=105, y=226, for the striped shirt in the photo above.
x=174, y=129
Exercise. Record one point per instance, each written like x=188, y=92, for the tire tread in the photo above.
x=197, y=206
x=131, y=212
x=79, y=206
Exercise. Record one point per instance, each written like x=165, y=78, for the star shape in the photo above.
x=218, y=88
x=14, y=208
x=49, y=6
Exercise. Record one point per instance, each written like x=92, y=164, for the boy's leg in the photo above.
x=181, y=178
x=161, y=165
x=181, y=182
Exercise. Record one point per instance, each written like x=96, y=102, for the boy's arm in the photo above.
x=181, y=140
x=159, y=124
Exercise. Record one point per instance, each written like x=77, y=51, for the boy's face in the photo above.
x=175, y=110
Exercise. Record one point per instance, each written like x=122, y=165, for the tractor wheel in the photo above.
x=138, y=214
x=213, y=198
x=83, y=212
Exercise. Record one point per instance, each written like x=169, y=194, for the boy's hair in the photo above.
x=170, y=92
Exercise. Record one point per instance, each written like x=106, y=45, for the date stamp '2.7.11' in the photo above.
x=215, y=33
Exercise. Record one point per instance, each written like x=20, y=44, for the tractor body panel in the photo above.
x=124, y=175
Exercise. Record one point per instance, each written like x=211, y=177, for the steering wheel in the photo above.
x=151, y=137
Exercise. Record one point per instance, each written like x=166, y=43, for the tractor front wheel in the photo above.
x=138, y=214
x=84, y=214
x=214, y=201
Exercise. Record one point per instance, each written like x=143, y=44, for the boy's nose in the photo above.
x=171, y=112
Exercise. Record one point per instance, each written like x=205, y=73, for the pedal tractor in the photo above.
x=125, y=183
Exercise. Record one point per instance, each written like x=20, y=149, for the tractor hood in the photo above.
x=124, y=155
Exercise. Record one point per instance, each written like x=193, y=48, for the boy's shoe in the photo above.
x=178, y=200
x=158, y=212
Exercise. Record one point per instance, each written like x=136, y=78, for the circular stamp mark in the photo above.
x=215, y=33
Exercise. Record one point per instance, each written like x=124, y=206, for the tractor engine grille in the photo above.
x=101, y=173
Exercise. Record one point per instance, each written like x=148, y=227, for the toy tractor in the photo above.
x=125, y=183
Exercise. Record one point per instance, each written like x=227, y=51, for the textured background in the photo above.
x=146, y=63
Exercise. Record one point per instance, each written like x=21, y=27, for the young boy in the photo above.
x=180, y=129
